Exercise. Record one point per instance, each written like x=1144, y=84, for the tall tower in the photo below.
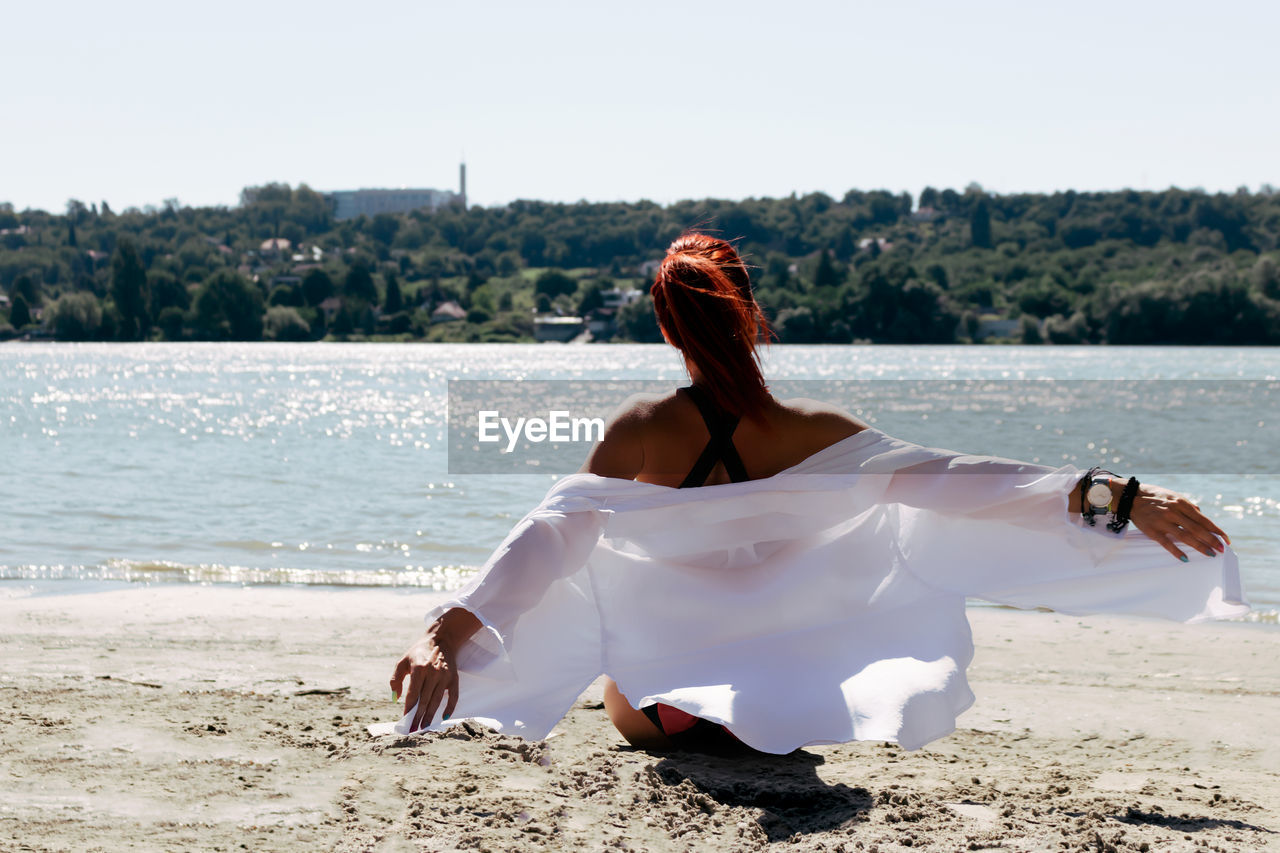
x=462, y=183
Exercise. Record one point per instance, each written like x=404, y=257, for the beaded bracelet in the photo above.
x=1121, y=519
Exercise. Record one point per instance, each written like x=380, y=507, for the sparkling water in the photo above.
x=326, y=464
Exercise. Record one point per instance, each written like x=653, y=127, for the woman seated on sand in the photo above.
x=726, y=428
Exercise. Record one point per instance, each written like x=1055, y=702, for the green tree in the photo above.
x=343, y=323
x=267, y=204
x=592, y=297
x=384, y=228
x=1029, y=330
x=229, y=308
x=393, y=302
x=796, y=326
x=19, y=313
x=1266, y=276
x=555, y=283
x=1067, y=330
x=316, y=287
x=938, y=274
x=26, y=287
x=980, y=224
x=167, y=292
x=825, y=275
x=129, y=289
x=287, y=295
x=284, y=323
x=358, y=284
x=171, y=321
x=75, y=317
x=638, y=322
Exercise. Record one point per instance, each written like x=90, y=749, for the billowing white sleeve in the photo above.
x=550, y=543
x=540, y=644
x=1000, y=530
x=984, y=487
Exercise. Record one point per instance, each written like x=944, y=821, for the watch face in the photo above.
x=1099, y=494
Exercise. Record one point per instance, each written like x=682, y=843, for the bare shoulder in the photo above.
x=827, y=420
x=620, y=452
x=637, y=411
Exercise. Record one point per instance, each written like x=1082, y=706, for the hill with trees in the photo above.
x=1126, y=267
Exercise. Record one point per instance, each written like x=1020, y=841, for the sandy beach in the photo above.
x=219, y=718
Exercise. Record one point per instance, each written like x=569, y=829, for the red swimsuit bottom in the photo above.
x=685, y=730
x=693, y=734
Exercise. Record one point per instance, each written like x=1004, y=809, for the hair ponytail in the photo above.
x=702, y=297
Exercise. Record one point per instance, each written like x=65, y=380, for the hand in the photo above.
x=429, y=665
x=1169, y=517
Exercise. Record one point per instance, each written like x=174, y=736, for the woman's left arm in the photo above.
x=1024, y=493
x=1166, y=517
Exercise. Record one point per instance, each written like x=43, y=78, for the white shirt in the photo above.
x=820, y=605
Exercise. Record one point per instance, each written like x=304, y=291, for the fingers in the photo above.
x=1204, y=541
x=413, y=689
x=417, y=697
x=427, y=711
x=402, y=669
x=1213, y=528
x=1204, y=530
x=1166, y=541
x=1201, y=540
x=453, y=696
x=1173, y=520
x=427, y=673
x=427, y=689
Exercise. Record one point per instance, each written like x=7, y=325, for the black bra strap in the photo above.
x=721, y=426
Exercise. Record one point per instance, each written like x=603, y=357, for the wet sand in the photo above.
x=229, y=719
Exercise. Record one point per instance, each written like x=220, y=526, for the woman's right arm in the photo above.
x=431, y=668
x=430, y=664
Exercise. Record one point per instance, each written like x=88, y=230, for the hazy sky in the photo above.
x=135, y=102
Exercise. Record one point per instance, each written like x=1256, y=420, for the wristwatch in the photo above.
x=1098, y=496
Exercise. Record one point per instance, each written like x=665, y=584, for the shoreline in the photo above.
x=1263, y=615
x=208, y=717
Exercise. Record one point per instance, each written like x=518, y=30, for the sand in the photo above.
x=188, y=718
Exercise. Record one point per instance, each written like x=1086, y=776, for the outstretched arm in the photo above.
x=1012, y=491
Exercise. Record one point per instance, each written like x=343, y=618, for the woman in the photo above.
x=726, y=428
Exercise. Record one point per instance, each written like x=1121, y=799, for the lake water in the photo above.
x=327, y=464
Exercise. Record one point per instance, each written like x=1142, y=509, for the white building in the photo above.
x=348, y=204
x=560, y=329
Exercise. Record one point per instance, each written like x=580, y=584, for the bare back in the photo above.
x=658, y=439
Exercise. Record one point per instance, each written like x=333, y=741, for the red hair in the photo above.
x=705, y=308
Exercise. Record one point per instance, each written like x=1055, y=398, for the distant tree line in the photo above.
x=1128, y=267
